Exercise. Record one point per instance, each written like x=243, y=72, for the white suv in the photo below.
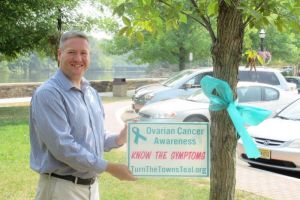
x=269, y=76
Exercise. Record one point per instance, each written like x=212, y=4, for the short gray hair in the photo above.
x=71, y=34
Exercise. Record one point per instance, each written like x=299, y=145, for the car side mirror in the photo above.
x=187, y=86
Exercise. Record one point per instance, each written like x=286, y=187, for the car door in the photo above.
x=249, y=94
x=260, y=96
x=271, y=99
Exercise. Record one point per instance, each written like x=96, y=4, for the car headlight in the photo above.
x=295, y=144
x=148, y=96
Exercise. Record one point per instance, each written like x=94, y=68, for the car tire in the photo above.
x=195, y=119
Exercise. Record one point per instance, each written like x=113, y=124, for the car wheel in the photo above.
x=195, y=119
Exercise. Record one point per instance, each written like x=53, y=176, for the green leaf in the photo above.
x=126, y=21
x=295, y=26
x=148, y=26
x=255, y=14
x=139, y=37
x=119, y=10
x=147, y=2
x=175, y=24
x=266, y=21
x=129, y=31
x=182, y=18
x=189, y=12
x=279, y=24
x=212, y=8
x=123, y=30
x=158, y=22
x=169, y=25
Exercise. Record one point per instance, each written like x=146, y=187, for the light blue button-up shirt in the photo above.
x=67, y=133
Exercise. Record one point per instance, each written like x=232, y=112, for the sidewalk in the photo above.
x=25, y=101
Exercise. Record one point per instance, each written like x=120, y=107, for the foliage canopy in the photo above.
x=27, y=25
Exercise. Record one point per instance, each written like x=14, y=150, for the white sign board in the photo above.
x=168, y=149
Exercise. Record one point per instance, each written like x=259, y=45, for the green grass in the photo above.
x=18, y=181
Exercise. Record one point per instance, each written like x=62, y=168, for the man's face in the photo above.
x=74, y=58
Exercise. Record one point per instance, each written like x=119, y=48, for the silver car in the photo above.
x=187, y=82
x=181, y=84
x=278, y=139
x=195, y=107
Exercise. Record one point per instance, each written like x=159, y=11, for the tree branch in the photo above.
x=205, y=20
x=191, y=16
x=250, y=18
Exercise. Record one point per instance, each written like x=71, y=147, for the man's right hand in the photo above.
x=120, y=171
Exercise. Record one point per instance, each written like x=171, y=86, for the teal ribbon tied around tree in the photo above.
x=239, y=114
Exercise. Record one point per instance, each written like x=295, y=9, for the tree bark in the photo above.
x=226, y=54
x=181, y=56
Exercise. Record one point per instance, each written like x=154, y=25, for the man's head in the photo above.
x=74, y=55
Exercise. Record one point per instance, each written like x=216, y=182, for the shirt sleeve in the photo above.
x=50, y=120
x=110, y=141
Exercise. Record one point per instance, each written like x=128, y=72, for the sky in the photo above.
x=89, y=10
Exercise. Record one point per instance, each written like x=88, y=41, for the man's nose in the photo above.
x=78, y=57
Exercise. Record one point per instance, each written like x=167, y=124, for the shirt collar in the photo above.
x=65, y=82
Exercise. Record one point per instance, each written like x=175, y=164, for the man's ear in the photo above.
x=58, y=53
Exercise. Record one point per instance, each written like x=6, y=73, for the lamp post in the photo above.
x=190, y=58
x=262, y=35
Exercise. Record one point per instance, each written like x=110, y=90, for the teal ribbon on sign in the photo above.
x=239, y=114
x=138, y=135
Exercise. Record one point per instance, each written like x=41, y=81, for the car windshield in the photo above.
x=198, y=96
x=291, y=112
x=173, y=80
x=293, y=80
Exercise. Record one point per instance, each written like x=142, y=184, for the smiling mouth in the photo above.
x=77, y=66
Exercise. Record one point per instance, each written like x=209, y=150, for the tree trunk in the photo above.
x=226, y=54
x=182, y=55
x=59, y=29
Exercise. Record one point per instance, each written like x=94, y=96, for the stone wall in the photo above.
x=11, y=90
x=14, y=90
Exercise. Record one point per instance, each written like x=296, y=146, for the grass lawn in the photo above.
x=18, y=181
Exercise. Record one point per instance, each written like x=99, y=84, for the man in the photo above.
x=66, y=129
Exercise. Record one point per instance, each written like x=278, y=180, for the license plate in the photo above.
x=265, y=153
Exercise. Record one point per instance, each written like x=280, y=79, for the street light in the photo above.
x=191, y=58
x=262, y=35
